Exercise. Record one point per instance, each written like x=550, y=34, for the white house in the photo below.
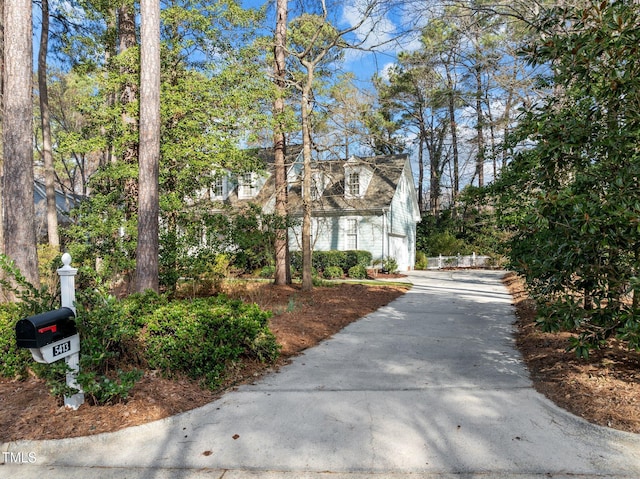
x=64, y=203
x=361, y=203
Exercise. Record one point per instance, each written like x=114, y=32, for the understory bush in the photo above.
x=268, y=271
x=119, y=339
x=13, y=361
x=358, y=272
x=200, y=338
x=333, y=272
x=389, y=265
x=421, y=260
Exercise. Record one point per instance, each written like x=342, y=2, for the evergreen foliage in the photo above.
x=571, y=189
x=342, y=260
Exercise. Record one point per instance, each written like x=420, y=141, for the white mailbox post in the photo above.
x=67, y=300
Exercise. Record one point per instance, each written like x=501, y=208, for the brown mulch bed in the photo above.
x=301, y=320
x=605, y=389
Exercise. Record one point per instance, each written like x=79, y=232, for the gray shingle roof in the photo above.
x=387, y=172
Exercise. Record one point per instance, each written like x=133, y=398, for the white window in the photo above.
x=217, y=189
x=352, y=234
x=353, y=186
x=246, y=186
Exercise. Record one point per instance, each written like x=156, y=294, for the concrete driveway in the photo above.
x=429, y=386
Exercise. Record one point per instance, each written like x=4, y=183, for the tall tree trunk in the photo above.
x=110, y=52
x=506, y=116
x=454, y=136
x=421, y=171
x=47, y=153
x=1, y=121
x=307, y=279
x=128, y=96
x=17, y=183
x=281, y=246
x=479, y=128
x=127, y=40
x=492, y=135
x=149, y=153
x=434, y=173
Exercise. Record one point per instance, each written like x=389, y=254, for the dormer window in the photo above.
x=353, y=184
x=357, y=177
x=217, y=189
x=246, y=186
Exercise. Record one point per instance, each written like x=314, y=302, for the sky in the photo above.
x=384, y=33
x=379, y=37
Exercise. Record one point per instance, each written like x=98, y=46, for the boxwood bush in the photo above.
x=14, y=362
x=333, y=272
x=358, y=272
x=321, y=260
x=119, y=339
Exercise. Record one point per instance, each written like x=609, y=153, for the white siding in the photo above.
x=330, y=233
x=392, y=233
x=402, y=225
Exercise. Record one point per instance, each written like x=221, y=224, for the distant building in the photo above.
x=64, y=203
x=361, y=203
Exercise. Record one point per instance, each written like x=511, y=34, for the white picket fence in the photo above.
x=459, y=261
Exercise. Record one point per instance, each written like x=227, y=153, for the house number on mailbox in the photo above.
x=61, y=348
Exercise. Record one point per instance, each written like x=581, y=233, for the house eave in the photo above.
x=343, y=212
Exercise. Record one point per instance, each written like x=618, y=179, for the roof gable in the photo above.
x=379, y=176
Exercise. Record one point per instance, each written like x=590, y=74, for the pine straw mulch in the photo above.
x=301, y=320
x=605, y=389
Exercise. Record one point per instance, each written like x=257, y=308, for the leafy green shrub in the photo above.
x=111, y=360
x=446, y=244
x=104, y=389
x=202, y=337
x=389, y=265
x=297, y=273
x=421, y=260
x=332, y=272
x=210, y=275
x=48, y=262
x=359, y=257
x=268, y=271
x=358, y=272
x=119, y=338
x=14, y=361
x=295, y=258
x=321, y=260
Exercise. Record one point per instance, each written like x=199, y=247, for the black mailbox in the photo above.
x=45, y=328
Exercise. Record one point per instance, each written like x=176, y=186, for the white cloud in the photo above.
x=384, y=72
x=376, y=31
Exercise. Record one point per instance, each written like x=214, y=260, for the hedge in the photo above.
x=345, y=260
